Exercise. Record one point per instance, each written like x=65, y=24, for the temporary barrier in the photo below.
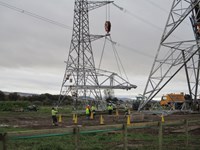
x=128, y=120
x=60, y=118
x=101, y=120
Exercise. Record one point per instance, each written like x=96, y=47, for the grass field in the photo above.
x=137, y=139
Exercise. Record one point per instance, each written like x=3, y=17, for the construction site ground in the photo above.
x=38, y=120
x=23, y=124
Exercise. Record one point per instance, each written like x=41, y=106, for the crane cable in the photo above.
x=102, y=54
x=107, y=12
x=117, y=58
x=119, y=62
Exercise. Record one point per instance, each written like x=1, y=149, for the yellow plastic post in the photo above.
x=128, y=120
x=117, y=113
x=76, y=119
x=60, y=118
x=73, y=117
x=92, y=115
x=101, y=120
x=162, y=118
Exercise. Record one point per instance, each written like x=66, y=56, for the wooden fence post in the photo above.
x=3, y=139
x=186, y=132
x=160, y=135
x=76, y=137
x=125, y=135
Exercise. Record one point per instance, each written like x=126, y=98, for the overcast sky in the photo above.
x=32, y=51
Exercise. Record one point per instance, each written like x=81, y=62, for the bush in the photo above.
x=13, y=105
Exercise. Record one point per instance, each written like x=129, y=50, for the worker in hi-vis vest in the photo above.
x=110, y=109
x=54, y=117
x=93, y=109
x=87, y=112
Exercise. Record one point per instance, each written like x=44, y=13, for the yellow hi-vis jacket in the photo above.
x=93, y=108
x=110, y=107
x=54, y=112
x=87, y=111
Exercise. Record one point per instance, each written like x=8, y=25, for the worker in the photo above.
x=126, y=109
x=110, y=109
x=87, y=111
x=93, y=109
x=54, y=117
x=172, y=105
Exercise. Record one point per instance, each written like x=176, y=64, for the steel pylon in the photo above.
x=82, y=80
x=177, y=51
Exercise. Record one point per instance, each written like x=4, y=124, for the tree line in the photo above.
x=40, y=99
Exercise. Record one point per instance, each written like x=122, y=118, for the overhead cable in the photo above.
x=63, y=25
x=156, y=5
x=137, y=17
x=35, y=15
x=141, y=19
x=130, y=48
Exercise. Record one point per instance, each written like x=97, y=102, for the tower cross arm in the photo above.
x=126, y=87
x=96, y=4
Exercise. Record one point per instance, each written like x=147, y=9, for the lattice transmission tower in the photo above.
x=82, y=79
x=177, y=51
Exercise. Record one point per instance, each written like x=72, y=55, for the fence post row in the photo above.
x=160, y=135
x=76, y=133
x=125, y=135
x=186, y=132
x=76, y=137
x=3, y=139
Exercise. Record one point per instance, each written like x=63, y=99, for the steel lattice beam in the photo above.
x=81, y=78
x=174, y=55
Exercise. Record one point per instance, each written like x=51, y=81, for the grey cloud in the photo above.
x=27, y=42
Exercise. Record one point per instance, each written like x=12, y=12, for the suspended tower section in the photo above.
x=178, y=51
x=82, y=80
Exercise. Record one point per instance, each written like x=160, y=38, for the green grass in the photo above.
x=48, y=143
x=99, y=141
x=104, y=141
x=10, y=129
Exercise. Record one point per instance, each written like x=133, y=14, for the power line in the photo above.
x=137, y=17
x=35, y=15
x=62, y=25
x=156, y=5
x=164, y=10
x=142, y=20
x=136, y=51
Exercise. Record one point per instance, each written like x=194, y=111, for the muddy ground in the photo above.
x=35, y=120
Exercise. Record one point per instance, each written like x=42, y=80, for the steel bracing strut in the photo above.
x=173, y=54
x=81, y=78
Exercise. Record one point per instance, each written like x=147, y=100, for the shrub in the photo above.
x=13, y=105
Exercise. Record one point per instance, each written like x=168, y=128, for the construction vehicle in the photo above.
x=174, y=100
